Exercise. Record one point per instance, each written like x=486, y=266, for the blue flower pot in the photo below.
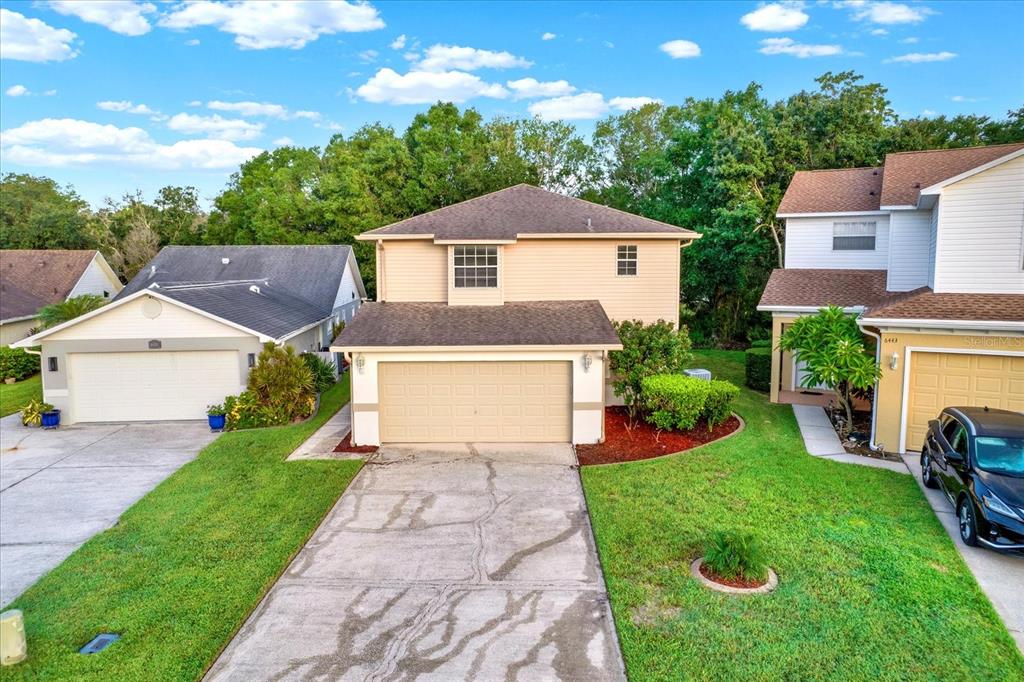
x=216, y=421
x=51, y=419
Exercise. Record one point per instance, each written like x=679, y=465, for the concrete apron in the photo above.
x=441, y=562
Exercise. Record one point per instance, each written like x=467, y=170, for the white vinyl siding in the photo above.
x=933, y=239
x=909, y=260
x=981, y=221
x=809, y=244
x=96, y=280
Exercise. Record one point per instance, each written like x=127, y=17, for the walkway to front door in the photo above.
x=441, y=562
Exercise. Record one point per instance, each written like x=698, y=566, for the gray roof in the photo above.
x=525, y=209
x=297, y=284
x=533, y=323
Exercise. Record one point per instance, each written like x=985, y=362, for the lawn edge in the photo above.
x=739, y=430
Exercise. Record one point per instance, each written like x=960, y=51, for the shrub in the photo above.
x=758, y=361
x=17, y=363
x=646, y=350
x=676, y=401
x=718, y=406
x=32, y=412
x=323, y=372
x=280, y=390
x=761, y=343
x=733, y=554
x=58, y=313
x=215, y=411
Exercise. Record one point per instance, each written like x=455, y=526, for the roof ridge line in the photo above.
x=955, y=149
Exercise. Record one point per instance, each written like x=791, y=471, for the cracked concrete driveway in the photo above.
x=452, y=562
x=59, y=488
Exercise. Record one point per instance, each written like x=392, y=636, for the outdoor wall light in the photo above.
x=360, y=362
x=587, y=362
x=894, y=361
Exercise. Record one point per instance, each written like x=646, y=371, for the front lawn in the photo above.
x=870, y=586
x=179, y=573
x=14, y=396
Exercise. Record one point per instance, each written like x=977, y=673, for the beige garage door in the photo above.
x=150, y=386
x=422, y=402
x=939, y=380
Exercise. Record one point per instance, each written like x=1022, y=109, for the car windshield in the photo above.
x=1001, y=455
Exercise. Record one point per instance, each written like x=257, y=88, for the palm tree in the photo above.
x=56, y=313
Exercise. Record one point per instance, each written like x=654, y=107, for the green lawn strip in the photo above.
x=14, y=396
x=177, y=576
x=871, y=587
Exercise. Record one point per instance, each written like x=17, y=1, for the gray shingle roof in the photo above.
x=533, y=323
x=822, y=287
x=525, y=209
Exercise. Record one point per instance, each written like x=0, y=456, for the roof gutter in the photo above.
x=291, y=335
x=480, y=349
x=19, y=319
x=972, y=325
x=803, y=309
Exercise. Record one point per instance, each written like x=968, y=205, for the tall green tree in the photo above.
x=37, y=213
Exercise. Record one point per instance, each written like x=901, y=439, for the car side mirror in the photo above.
x=954, y=457
x=934, y=424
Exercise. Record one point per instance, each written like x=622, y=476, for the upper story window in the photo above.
x=625, y=260
x=476, y=267
x=853, y=236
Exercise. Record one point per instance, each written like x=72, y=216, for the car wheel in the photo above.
x=927, y=475
x=968, y=522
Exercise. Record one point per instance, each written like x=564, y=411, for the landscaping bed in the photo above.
x=623, y=443
x=346, y=446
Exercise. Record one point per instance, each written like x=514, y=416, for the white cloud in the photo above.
x=284, y=141
x=548, y=35
x=398, y=43
x=781, y=16
x=263, y=25
x=922, y=57
x=627, y=103
x=71, y=142
x=195, y=103
x=526, y=88
x=16, y=91
x=49, y=93
x=609, y=44
x=449, y=57
x=929, y=113
x=681, y=49
x=125, y=106
x=368, y=56
x=426, y=87
x=586, y=105
x=800, y=50
x=192, y=42
x=121, y=17
x=911, y=40
x=32, y=40
x=879, y=32
x=250, y=109
x=887, y=12
x=215, y=126
x=964, y=98
x=308, y=115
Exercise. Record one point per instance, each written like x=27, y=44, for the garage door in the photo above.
x=150, y=386
x=475, y=401
x=939, y=380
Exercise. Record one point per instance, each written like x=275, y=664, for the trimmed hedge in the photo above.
x=761, y=343
x=759, y=368
x=17, y=363
x=676, y=401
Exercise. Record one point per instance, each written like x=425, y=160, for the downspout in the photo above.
x=874, y=398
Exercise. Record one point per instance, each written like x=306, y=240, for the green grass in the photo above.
x=14, y=396
x=185, y=565
x=871, y=587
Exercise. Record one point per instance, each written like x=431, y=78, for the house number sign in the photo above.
x=155, y=345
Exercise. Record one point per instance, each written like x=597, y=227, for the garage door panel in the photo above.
x=476, y=401
x=939, y=380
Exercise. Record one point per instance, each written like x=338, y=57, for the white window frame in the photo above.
x=626, y=259
x=481, y=277
x=859, y=230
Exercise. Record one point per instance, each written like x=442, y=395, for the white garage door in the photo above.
x=424, y=402
x=150, y=386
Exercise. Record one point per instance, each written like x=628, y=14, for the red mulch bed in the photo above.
x=346, y=446
x=731, y=582
x=643, y=441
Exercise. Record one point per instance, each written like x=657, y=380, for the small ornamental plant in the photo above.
x=733, y=555
x=32, y=412
x=215, y=411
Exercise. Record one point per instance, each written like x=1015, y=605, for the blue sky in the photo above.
x=117, y=96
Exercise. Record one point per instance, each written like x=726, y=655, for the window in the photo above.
x=251, y=359
x=859, y=236
x=625, y=260
x=51, y=363
x=956, y=436
x=476, y=267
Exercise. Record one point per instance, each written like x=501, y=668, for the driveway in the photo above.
x=999, y=575
x=447, y=562
x=59, y=488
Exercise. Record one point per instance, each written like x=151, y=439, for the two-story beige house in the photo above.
x=928, y=251
x=493, y=319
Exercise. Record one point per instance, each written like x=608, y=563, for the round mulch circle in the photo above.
x=698, y=572
x=643, y=441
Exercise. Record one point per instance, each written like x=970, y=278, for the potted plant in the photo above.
x=32, y=412
x=215, y=415
x=50, y=417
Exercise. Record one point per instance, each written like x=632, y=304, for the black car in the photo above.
x=976, y=456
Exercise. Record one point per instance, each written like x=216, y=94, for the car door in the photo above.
x=950, y=470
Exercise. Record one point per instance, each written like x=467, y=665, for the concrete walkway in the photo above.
x=821, y=440
x=1000, y=576
x=323, y=441
x=452, y=562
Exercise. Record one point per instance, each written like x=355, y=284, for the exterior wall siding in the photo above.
x=909, y=262
x=809, y=245
x=96, y=280
x=413, y=270
x=933, y=238
x=308, y=340
x=981, y=221
x=16, y=331
x=129, y=321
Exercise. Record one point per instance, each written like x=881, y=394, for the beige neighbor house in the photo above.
x=184, y=332
x=928, y=251
x=31, y=279
x=494, y=318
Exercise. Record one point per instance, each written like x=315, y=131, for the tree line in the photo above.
x=716, y=165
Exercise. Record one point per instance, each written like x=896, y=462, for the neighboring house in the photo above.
x=494, y=318
x=32, y=279
x=928, y=250
x=184, y=332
